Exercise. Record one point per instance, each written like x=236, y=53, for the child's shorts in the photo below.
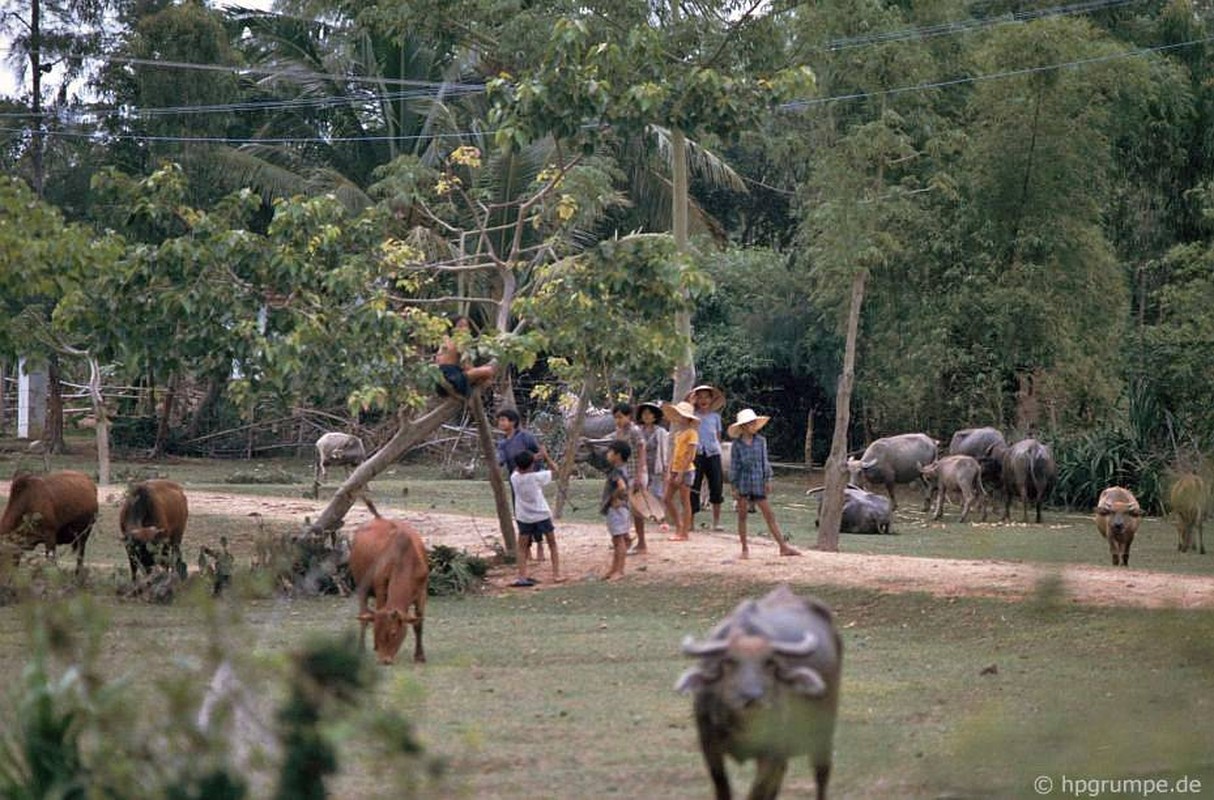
x=535, y=531
x=619, y=520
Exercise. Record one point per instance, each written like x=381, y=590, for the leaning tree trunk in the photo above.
x=836, y=466
x=410, y=433
x=505, y=518
x=571, y=439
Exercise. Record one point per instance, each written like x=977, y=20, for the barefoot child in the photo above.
x=750, y=476
x=614, y=505
x=458, y=371
x=533, y=516
x=629, y=432
x=708, y=401
x=683, y=429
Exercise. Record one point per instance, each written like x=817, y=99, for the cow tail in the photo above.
x=371, y=506
x=1035, y=464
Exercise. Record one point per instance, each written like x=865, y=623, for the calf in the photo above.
x=52, y=509
x=962, y=474
x=767, y=688
x=985, y=444
x=153, y=517
x=1117, y=518
x=337, y=449
x=1188, y=500
x=388, y=562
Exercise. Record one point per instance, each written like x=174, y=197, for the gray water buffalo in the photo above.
x=863, y=512
x=985, y=444
x=961, y=474
x=767, y=687
x=894, y=460
x=335, y=449
x=1189, y=502
x=1028, y=473
x=1117, y=518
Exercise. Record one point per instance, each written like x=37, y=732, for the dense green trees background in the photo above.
x=1025, y=185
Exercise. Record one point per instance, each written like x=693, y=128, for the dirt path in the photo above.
x=584, y=555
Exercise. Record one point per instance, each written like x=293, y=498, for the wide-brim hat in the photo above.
x=653, y=406
x=681, y=410
x=718, y=397
x=745, y=417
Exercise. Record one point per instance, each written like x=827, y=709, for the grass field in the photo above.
x=567, y=693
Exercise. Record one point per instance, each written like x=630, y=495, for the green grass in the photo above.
x=567, y=693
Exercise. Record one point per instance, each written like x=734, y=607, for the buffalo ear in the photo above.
x=366, y=616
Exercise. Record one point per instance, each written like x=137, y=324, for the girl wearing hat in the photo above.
x=657, y=447
x=683, y=428
x=750, y=476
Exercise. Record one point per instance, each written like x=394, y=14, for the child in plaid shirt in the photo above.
x=750, y=476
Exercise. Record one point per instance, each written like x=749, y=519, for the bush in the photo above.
x=1094, y=461
x=455, y=572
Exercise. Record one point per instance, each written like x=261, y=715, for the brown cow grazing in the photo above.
x=52, y=509
x=388, y=562
x=961, y=474
x=153, y=516
x=1189, y=500
x=1117, y=518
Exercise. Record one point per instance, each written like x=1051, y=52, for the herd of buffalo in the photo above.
x=766, y=681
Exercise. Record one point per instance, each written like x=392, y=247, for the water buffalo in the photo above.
x=52, y=509
x=985, y=444
x=961, y=474
x=1189, y=502
x=335, y=449
x=863, y=512
x=894, y=460
x=153, y=517
x=1117, y=518
x=767, y=687
x=1028, y=473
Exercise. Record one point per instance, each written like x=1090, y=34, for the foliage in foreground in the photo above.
x=69, y=732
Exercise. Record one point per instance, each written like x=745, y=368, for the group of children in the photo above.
x=670, y=468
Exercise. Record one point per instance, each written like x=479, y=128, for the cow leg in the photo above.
x=967, y=499
x=893, y=498
x=715, y=760
x=1201, y=540
x=1038, y=511
x=419, y=653
x=768, y=778
x=821, y=779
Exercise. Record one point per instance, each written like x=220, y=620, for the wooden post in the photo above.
x=571, y=439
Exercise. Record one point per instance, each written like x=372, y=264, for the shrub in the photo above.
x=455, y=572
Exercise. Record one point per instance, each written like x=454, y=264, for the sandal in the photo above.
x=524, y=582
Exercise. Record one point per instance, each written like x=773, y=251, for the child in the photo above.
x=683, y=424
x=708, y=401
x=750, y=476
x=627, y=431
x=457, y=371
x=657, y=449
x=614, y=505
x=533, y=516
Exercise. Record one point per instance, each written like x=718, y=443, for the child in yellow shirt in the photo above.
x=684, y=426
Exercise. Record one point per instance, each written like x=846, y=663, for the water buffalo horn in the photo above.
x=801, y=648
x=710, y=647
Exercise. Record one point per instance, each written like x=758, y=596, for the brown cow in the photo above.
x=388, y=562
x=154, y=513
x=52, y=509
x=1117, y=518
x=1189, y=501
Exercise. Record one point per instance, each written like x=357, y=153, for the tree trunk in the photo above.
x=809, y=440
x=505, y=519
x=835, y=478
x=162, y=427
x=3, y=397
x=410, y=433
x=215, y=386
x=53, y=435
x=685, y=367
x=38, y=144
x=103, y=423
x=571, y=439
